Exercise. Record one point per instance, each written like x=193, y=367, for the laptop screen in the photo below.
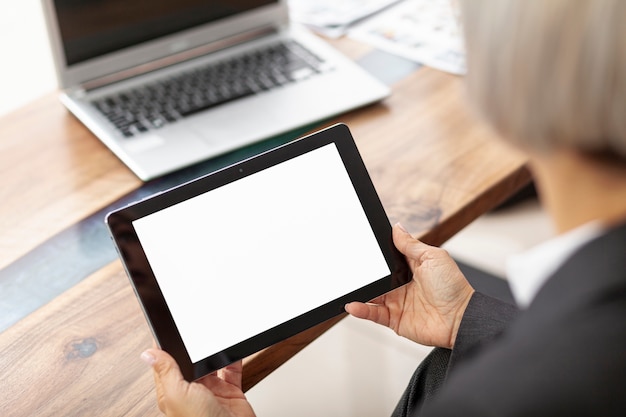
x=90, y=28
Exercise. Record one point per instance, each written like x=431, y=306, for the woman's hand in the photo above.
x=429, y=309
x=217, y=394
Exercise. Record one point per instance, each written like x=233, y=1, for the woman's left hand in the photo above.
x=217, y=394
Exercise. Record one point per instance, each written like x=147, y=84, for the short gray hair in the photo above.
x=547, y=74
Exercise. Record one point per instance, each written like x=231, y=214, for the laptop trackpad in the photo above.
x=227, y=130
x=167, y=136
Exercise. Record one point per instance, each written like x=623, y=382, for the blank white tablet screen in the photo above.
x=245, y=257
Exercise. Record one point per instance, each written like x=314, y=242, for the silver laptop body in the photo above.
x=96, y=58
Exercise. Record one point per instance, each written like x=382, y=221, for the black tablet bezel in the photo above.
x=147, y=288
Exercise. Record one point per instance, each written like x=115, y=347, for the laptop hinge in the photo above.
x=177, y=58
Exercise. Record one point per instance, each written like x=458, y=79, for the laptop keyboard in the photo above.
x=166, y=101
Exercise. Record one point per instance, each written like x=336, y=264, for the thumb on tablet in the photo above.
x=368, y=311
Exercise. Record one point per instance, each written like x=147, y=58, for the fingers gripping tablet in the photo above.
x=233, y=262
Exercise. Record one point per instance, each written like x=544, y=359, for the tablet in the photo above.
x=233, y=262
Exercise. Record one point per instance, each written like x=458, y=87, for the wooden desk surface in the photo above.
x=435, y=167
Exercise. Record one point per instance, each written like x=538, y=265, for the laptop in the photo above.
x=165, y=84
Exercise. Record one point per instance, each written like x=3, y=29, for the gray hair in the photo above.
x=548, y=74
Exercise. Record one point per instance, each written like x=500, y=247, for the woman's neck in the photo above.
x=576, y=189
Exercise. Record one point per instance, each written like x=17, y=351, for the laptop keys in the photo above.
x=153, y=106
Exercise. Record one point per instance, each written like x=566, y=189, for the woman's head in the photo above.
x=548, y=74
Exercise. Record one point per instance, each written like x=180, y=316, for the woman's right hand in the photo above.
x=429, y=309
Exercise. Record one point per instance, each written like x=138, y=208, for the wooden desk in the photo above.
x=435, y=167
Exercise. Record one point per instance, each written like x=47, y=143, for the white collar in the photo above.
x=528, y=271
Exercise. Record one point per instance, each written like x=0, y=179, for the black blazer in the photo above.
x=565, y=355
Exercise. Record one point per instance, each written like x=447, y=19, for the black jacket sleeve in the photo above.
x=484, y=320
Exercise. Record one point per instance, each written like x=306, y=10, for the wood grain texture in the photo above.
x=434, y=166
x=79, y=355
x=54, y=173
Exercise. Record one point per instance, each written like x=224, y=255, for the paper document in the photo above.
x=427, y=31
x=333, y=18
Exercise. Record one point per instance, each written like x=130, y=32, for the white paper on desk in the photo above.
x=333, y=18
x=426, y=31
